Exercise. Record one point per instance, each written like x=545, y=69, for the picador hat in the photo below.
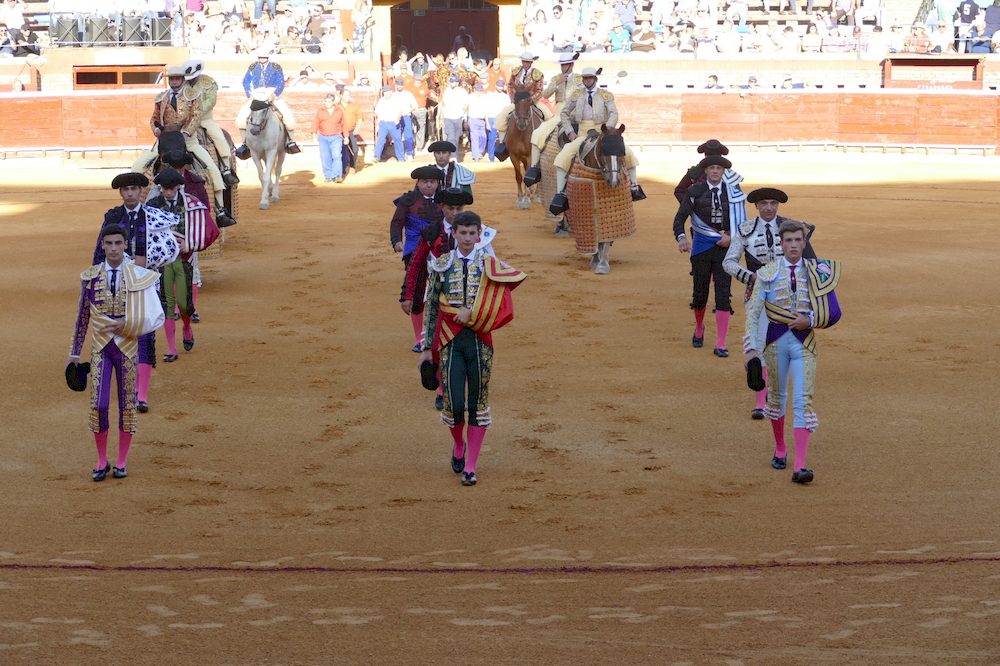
x=427, y=173
x=175, y=70
x=168, y=177
x=766, y=193
x=528, y=56
x=713, y=147
x=453, y=196
x=568, y=58
x=715, y=160
x=439, y=146
x=590, y=71
x=193, y=69
x=76, y=376
x=127, y=179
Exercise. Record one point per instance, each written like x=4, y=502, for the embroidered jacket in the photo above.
x=135, y=301
x=562, y=86
x=533, y=79
x=604, y=110
x=186, y=118
x=759, y=241
x=264, y=76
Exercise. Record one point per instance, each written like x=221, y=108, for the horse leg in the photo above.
x=264, y=182
x=519, y=178
x=603, y=256
x=279, y=161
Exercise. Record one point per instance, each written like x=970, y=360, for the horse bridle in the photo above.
x=259, y=126
x=522, y=122
x=614, y=166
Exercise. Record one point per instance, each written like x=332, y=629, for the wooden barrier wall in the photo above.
x=114, y=119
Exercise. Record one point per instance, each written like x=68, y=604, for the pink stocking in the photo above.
x=458, y=436
x=778, y=426
x=145, y=373
x=721, y=328
x=170, y=332
x=418, y=326
x=101, y=439
x=699, y=323
x=476, y=436
x=124, y=442
x=188, y=332
x=801, y=447
x=762, y=394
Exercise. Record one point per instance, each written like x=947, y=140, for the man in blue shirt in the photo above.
x=265, y=81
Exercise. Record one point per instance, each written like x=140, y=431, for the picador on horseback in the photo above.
x=586, y=110
x=208, y=91
x=179, y=109
x=560, y=88
x=264, y=82
x=527, y=78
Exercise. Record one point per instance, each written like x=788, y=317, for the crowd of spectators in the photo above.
x=219, y=27
x=783, y=28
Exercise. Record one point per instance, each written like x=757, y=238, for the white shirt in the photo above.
x=387, y=110
x=454, y=102
x=117, y=275
x=479, y=105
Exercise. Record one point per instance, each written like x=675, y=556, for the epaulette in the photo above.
x=607, y=95
x=536, y=74
x=91, y=272
x=575, y=93
x=769, y=272
x=187, y=91
x=162, y=96
x=251, y=66
x=747, y=226
x=405, y=199
x=440, y=264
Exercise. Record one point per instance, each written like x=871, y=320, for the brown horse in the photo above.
x=522, y=121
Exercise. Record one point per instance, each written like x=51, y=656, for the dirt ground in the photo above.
x=290, y=500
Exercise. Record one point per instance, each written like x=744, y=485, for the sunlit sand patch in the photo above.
x=203, y=625
x=485, y=622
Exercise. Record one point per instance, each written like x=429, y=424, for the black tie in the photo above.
x=465, y=281
x=173, y=100
x=794, y=286
x=716, y=202
x=590, y=98
x=769, y=236
x=114, y=281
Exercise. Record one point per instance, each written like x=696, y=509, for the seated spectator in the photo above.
x=763, y=42
x=751, y=83
x=626, y=12
x=834, y=42
x=619, y=39
x=593, y=40
x=843, y=11
x=200, y=40
x=7, y=45
x=12, y=14
x=644, y=39
x=943, y=38
x=729, y=39
x=788, y=42
x=896, y=39
x=331, y=41
x=291, y=42
x=917, y=41
x=310, y=43
x=811, y=41
x=979, y=37
x=686, y=42
x=227, y=39
x=538, y=33
x=704, y=43
x=869, y=9
x=713, y=83
x=563, y=31
x=992, y=18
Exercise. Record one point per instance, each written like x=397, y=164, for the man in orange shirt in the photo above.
x=417, y=86
x=329, y=128
x=352, y=117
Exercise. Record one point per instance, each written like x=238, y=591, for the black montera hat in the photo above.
x=713, y=147
x=453, y=196
x=127, y=179
x=177, y=158
x=715, y=160
x=427, y=173
x=765, y=193
x=442, y=145
x=76, y=375
x=168, y=177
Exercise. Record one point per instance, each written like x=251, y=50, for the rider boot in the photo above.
x=243, y=152
x=637, y=193
x=500, y=151
x=222, y=216
x=230, y=177
x=533, y=173
x=290, y=146
x=560, y=202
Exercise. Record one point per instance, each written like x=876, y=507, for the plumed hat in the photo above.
x=453, y=196
x=193, y=69
x=439, y=146
x=765, y=193
x=168, y=177
x=713, y=147
x=715, y=160
x=427, y=173
x=76, y=376
x=127, y=179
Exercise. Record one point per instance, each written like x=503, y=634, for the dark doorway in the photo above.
x=433, y=30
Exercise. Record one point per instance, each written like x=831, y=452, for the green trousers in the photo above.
x=466, y=363
x=175, y=288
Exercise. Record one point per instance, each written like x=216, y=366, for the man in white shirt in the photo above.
x=479, y=110
x=387, y=119
x=454, y=107
x=407, y=105
x=497, y=101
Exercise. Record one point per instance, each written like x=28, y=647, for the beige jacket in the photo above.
x=605, y=111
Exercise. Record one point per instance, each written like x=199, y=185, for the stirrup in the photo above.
x=532, y=175
x=292, y=148
x=560, y=204
x=500, y=151
x=243, y=152
x=637, y=193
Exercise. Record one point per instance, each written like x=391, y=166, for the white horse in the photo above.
x=266, y=141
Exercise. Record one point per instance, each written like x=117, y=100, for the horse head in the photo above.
x=260, y=112
x=611, y=154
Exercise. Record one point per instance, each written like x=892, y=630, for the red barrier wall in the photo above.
x=122, y=119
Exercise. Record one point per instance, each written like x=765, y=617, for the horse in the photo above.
x=605, y=153
x=523, y=120
x=266, y=141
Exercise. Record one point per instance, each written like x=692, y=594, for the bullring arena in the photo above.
x=288, y=499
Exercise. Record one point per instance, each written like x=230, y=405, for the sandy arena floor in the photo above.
x=290, y=500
